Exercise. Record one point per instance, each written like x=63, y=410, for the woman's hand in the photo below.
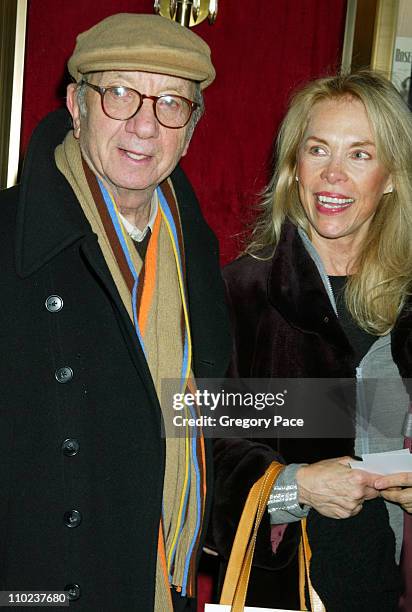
x=334, y=489
x=397, y=488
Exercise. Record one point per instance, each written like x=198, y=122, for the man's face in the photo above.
x=133, y=156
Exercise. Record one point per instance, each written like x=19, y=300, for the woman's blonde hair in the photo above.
x=376, y=292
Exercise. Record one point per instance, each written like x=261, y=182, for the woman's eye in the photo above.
x=317, y=150
x=360, y=155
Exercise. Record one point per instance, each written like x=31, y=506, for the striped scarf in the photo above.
x=154, y=295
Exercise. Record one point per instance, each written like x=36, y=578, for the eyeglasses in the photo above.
x=122, y=103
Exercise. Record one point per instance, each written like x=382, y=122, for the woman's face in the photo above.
x=341, y=181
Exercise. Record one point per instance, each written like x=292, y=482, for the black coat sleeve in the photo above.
x=238, y=463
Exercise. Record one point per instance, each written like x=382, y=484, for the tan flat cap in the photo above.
x=129, y=41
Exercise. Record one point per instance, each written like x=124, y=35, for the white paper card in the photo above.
x=390, y=462
x=220, y=608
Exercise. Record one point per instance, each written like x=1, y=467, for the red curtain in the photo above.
x=261, y=49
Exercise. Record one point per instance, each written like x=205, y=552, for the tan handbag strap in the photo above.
x=240, y=561
x=316, y=604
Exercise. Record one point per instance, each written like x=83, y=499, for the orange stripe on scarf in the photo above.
x=162, y=557
x=150, y=265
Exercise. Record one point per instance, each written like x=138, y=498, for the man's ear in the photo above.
x=186, y=147
x=73, y=107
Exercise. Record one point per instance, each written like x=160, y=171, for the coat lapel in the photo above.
x=296, y=290
x=48, y=217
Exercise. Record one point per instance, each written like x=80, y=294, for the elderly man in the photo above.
x=110, y=284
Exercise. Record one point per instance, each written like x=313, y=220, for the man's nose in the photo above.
x=144, y=123
x=334, y=171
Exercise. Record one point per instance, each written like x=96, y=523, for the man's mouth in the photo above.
x=133, y=155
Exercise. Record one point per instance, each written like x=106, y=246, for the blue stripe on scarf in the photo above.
x=168, y=214
x=199, y=508
x=185, y=502
x=116, y=224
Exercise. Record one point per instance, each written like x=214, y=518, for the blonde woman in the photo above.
x=323, y=290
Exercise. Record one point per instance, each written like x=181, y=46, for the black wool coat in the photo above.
x=82, y=457
x=284, y=326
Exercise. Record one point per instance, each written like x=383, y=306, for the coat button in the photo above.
x=70, y=447
x=63, y=375
x=54, y=303
x=73, y=591
x=72, y=518
x=326, y=319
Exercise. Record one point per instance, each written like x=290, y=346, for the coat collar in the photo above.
x=47, y=220
x=297, y=291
